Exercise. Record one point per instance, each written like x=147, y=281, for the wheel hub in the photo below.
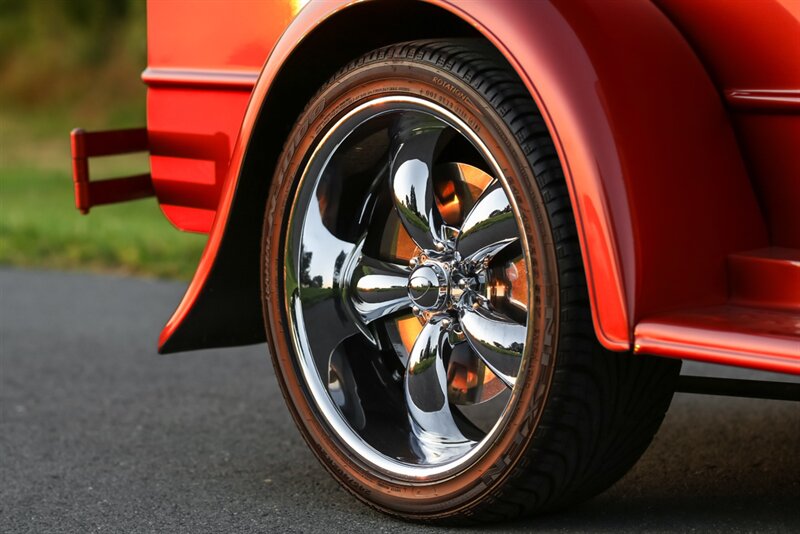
x=428, y=286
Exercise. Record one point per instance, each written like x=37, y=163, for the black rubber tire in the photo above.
x=601, y=409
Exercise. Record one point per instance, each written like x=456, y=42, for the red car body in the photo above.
x=677, y=123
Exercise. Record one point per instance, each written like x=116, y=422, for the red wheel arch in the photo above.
x=656, y=179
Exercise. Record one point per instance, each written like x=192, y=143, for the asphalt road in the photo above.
x=98, y=432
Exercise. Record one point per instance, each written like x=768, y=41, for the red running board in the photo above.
x=758, y=327
x=731, y=335
x=86, y=145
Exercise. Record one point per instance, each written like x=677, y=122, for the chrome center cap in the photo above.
x=427, y=286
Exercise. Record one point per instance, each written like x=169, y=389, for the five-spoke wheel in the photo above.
x=406, y=273
x=425, y=299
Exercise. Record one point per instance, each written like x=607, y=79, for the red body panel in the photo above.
x=660, y=188
x=744, y=45
x=200, y=75
x=189, y=164
x=732, y=335
x=770, y=142
x=768, y=278
x=752, y=51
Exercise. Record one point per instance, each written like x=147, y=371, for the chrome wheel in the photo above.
x=424, y=297
x=406, y=283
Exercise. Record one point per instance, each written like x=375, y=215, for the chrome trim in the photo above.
x=781, y=100
x=237, y=80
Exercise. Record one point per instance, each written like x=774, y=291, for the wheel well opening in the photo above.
x=228, y=310
x=342, y=38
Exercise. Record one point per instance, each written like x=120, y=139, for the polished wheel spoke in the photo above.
x=426, y=396
x=406, y=288
x=488, y=227
x=411, y=183
x=496, y=339
x=323, y=324
x=469, y=380
x=343, y=389
x=378, y=288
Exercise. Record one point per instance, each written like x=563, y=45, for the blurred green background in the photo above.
x=68, y=63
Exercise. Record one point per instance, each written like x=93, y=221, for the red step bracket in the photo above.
x=86, y=145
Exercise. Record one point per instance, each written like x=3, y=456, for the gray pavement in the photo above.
x=100, y=433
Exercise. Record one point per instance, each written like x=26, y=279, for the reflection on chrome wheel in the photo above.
x=425, y=301
x=405, y=272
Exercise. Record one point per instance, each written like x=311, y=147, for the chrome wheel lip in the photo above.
x=331, y=416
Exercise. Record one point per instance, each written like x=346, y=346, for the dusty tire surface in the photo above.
x=580, y=416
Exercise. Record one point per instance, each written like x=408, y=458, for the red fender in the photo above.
x=657, y=183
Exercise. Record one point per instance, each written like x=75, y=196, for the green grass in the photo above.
x=66, y=64
x=40, y=227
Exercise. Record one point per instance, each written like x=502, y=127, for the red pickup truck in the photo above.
x=478, y=238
